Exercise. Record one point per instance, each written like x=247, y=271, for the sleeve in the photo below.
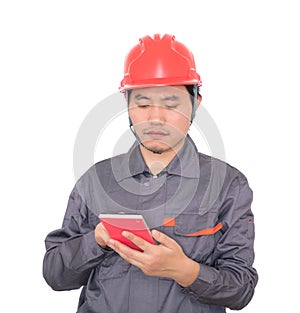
x=72, y=251
x=231, y=280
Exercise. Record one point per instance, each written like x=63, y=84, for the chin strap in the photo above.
x=194, y=107
x=133, y=130
x=194, y=102
x=139, y=140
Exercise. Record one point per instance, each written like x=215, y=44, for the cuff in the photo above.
x=206, y=278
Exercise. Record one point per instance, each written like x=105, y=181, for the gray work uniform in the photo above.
x=201, y=202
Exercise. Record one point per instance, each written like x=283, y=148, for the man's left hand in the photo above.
x=165, y=260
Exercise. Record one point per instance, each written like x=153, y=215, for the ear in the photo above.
x=198, y=101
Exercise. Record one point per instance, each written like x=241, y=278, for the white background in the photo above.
x=60, y=58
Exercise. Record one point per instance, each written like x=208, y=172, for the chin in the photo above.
x=157, y=147
x=160, y=146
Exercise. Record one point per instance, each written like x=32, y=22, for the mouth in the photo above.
x=156, y=133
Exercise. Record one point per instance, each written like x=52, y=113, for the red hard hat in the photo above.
x=159, y=61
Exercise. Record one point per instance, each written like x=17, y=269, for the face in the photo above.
x=161, y=116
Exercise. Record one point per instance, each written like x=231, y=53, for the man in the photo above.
x=198, y=207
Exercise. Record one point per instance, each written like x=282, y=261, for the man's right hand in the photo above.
x=101, y=235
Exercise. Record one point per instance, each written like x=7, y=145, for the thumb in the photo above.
x=163, y=238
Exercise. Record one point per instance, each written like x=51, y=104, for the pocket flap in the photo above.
x=193, y=225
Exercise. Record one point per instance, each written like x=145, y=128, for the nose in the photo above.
x=156, y=114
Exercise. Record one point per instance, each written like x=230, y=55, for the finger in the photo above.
x=163, y=239
x=128, y=254
x=103, y=231
x=101, y=235
x=121, y=247
x=138, y=241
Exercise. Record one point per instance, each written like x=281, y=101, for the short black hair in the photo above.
x=191, y=91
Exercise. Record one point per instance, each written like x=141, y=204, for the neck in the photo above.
x=157, y=162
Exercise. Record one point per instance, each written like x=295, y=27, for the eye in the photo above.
x=142, y=102
x=143, y=105
x=170, y=107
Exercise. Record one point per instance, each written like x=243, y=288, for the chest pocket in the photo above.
x=197, y=234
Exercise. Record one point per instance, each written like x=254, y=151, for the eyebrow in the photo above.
x=139, y=97
x=167, y=98
x=170, y=98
